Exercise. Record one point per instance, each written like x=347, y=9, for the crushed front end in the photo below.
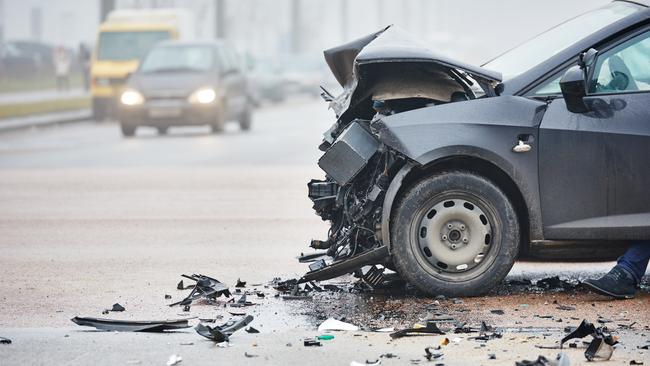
x=358, y=172
x=382, y=74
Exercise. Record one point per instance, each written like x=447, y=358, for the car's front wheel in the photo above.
x=128, y=130
x=246, y=118
x=454, y=234
x=219, y=121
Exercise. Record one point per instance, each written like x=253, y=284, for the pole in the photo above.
x=344, y=21
x=295, y=31
x=2, y=20
x=220, y=19
x=105, y=7
x=381, y=13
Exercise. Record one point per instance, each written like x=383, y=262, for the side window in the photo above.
x=224, y=60
x=624, y=68
x=550, y=86
x=234, y=60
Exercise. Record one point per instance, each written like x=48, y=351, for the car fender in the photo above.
x=486, y=130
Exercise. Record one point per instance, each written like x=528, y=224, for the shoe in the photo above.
x=618, y=283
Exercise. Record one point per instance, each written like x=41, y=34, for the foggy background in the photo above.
x=474, y=31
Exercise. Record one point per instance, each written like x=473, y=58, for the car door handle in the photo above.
x=521, y=147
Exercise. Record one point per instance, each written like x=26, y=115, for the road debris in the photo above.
x=367, y=363
x=205, y=287
x=223, y=332
x=311, y=342
x=251, y=330
x=240, y=283
x=325, y=337
x=243, y=301
x=116, y=307
x=601, y=345
x=555, y=283
x=333, y=324
x=174, y=360
x=132, y=325
x=565, y=307
x=430, y=328
x=249, y=355
x=561, y=360
x=4, y=340
x=430, y=355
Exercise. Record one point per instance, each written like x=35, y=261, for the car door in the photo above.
x=594, y=167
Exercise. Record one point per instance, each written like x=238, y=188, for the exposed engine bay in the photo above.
x=382, y=74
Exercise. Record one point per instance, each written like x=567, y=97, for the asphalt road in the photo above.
x=88, y=218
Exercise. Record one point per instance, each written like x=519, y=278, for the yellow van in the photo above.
x=125, y=37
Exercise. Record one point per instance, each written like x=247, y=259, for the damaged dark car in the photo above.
x=448, y=173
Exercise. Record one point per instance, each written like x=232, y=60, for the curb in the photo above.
x=42, y=120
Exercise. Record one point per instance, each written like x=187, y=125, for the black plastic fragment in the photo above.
x=554, y=283
x=240, y=283
x=584, y=329
x=223, y=332
x=430, y=328
x=117, y=307
x=540, y=361
x=251, y=330
x=4, y=340
x=311, y=342
x=241, y=302
x=601, y=345
x=432, y=355
x=497, y=312
x=206, y=287
x=132, y=325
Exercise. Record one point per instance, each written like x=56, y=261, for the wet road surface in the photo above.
x=88, y=219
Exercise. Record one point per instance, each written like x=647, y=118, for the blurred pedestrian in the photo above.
x=62, y=68
x=84, y=64
x=622, y=281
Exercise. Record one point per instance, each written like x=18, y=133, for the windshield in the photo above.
x=178, y=58
x=554, y=41
x=127, y=45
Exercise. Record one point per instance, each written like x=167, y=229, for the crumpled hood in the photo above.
x=391, y=44
x=392, y=63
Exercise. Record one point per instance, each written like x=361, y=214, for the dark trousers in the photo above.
x=635, y=260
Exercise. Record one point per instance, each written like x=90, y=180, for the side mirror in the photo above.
x=574, y=82
x=574, y=89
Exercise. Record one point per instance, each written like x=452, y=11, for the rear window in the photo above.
x=123, y=46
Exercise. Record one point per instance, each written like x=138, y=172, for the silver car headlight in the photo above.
x=203, y=96
x=131, y=97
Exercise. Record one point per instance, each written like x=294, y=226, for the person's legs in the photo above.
x=635, y=260
x=622, y=281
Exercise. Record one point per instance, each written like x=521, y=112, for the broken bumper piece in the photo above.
x=206, y=287
x=132, y=325
x=223, y=332
x=336, y=269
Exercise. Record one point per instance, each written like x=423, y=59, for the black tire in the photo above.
x=127, y=129
x=219, y=120
x=100, y=109
x=462, y=204
x=246, y=119
x=162, y=130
